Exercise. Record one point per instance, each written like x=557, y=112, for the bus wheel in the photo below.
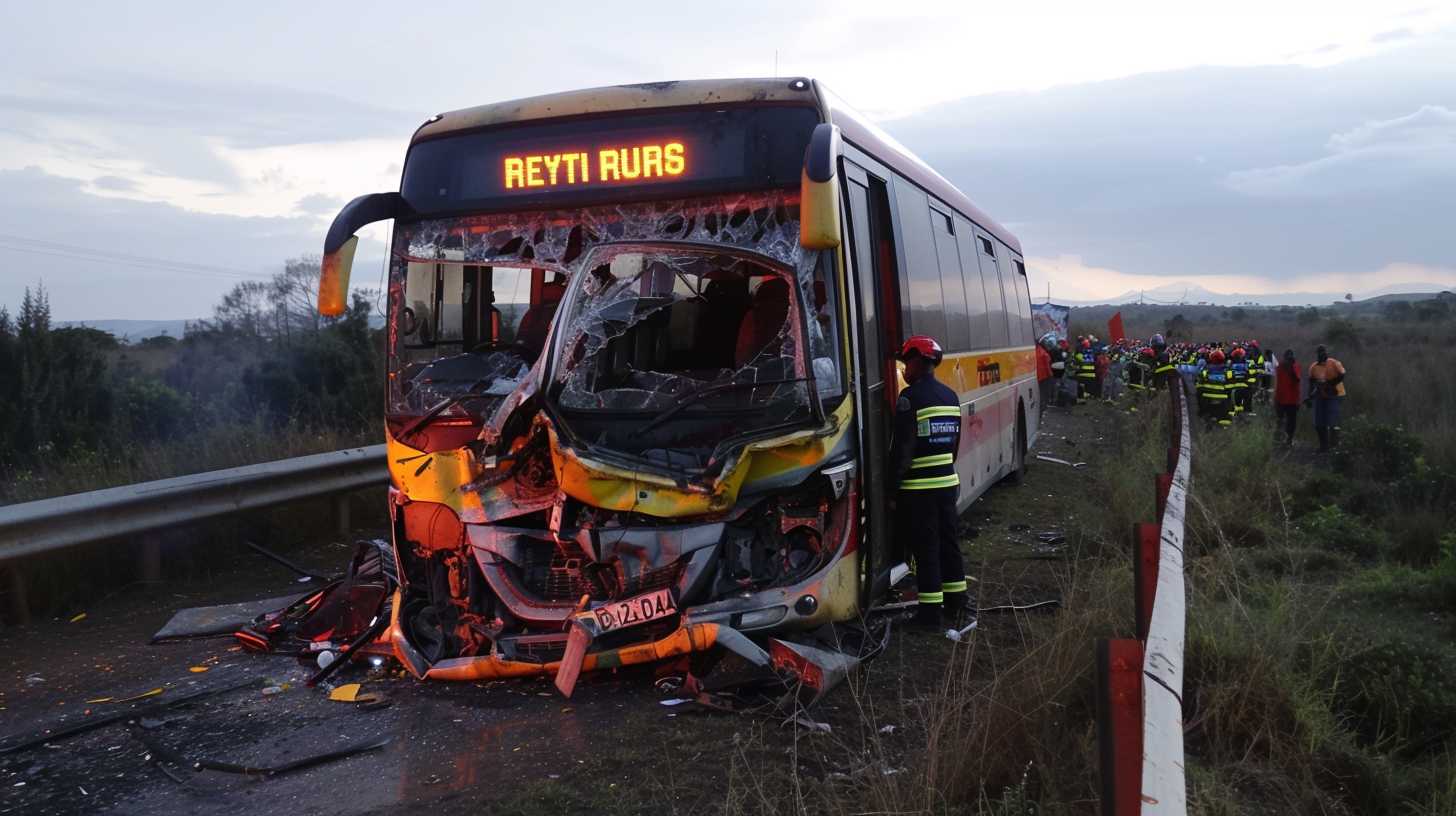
x=1018, y=468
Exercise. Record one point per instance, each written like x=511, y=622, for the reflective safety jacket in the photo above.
x=1163, y=368
x=927, y=436
x=1239, y=372
x=1086, y=365
x=1213, y=383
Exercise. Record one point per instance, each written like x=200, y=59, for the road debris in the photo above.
x=1056, y=460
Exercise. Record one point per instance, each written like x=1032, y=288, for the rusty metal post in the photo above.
x=1120, y=724
x=149, y=560
x=19, y=600
x=1146, y=545
x=341, y=515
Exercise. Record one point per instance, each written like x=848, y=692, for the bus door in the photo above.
x=876, y=319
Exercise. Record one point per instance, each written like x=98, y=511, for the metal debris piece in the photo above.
x=959, y=634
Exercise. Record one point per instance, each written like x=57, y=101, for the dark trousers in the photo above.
x=928, y=518
x=1048, y=389
x=1288, y=418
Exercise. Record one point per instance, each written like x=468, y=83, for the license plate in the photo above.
x=635, y=611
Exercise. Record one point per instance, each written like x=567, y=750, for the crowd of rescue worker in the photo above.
x=1233, y=380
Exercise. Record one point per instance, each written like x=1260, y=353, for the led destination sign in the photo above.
x=638, y=162
x=609, y=158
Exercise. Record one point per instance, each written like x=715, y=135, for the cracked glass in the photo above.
x=662, y=300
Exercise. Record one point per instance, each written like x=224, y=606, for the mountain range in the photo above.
x=1188, y=293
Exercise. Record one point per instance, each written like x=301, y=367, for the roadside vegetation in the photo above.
x=264, y=378
x=1321, y=671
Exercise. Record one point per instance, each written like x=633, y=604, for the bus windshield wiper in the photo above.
x=708, y=390
x=439, y=407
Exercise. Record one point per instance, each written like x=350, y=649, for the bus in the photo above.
x=640, y=362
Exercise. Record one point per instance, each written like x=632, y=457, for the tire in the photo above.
x=1018, y=469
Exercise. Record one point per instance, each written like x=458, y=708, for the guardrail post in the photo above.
x=1120, y=724
x=19, y=601
x=1146, y=546
x=341, y=515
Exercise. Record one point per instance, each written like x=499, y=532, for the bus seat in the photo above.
x=764, y=322
x=726, y=301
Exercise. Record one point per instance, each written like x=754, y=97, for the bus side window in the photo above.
x=975, y=289
x=958, y=325
x=927, y=311
x=995, y=298
x=1023, y=302
x=1008, y=276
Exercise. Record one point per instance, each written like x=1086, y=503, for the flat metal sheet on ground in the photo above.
x=224, y=619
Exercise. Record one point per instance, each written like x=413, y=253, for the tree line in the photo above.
x=265, y=356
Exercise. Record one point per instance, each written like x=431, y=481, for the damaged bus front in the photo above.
x=617, y=412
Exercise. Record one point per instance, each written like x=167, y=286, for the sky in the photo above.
x=153, y=155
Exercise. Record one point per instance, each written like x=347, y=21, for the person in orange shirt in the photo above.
x=1327, y=391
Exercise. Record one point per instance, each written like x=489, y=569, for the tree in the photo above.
x=1178, y=327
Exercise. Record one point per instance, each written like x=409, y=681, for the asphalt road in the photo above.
x=511, y=746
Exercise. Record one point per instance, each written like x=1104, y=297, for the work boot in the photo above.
x=927, y=618
x=957, y=610
x=1334, y=436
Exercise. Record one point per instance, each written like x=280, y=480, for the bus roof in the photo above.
x=854, y=127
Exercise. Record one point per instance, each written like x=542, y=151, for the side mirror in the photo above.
x=341, y=242
x=819, y=222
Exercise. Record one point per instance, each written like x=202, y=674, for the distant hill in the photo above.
x=1177, y=293
x=133, y=331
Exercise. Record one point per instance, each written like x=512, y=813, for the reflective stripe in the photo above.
x=954, y=586
x=932, y=597
x=939, y=411
x=930, y=483
x=933, y=460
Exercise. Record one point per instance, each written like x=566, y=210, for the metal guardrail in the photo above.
x=1140, y=699
x=52, y=524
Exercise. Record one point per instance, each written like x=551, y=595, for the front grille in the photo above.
x=561, y=573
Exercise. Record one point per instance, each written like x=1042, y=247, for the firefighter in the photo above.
x=1213, y=393
x=1086, y=371
x=1164, y=368
x=927, y=439
x=1259, y=367
x=1239, y=381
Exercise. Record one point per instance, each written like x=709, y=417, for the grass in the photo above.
x=1320, y=672
x=219, y=446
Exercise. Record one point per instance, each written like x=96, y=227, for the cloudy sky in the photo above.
x=152, y=155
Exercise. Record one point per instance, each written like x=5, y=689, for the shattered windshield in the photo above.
x=648, y=327
x=665, y=299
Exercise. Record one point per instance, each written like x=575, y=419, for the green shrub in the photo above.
x=1378, y=452
x=1398, y=693
x=1331, y=528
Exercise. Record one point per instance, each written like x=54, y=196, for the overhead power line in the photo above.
x=33, y=246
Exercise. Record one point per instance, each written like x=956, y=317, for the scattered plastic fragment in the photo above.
x=347, y=693
x=812, y=726
x=674, y=701
x=79, y=618
x=100, y=700
x=152, y=693
x=198, y=669
x=887, y=729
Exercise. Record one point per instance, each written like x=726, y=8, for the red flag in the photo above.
x=1114, y=329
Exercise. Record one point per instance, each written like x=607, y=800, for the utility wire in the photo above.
x=32, y=246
